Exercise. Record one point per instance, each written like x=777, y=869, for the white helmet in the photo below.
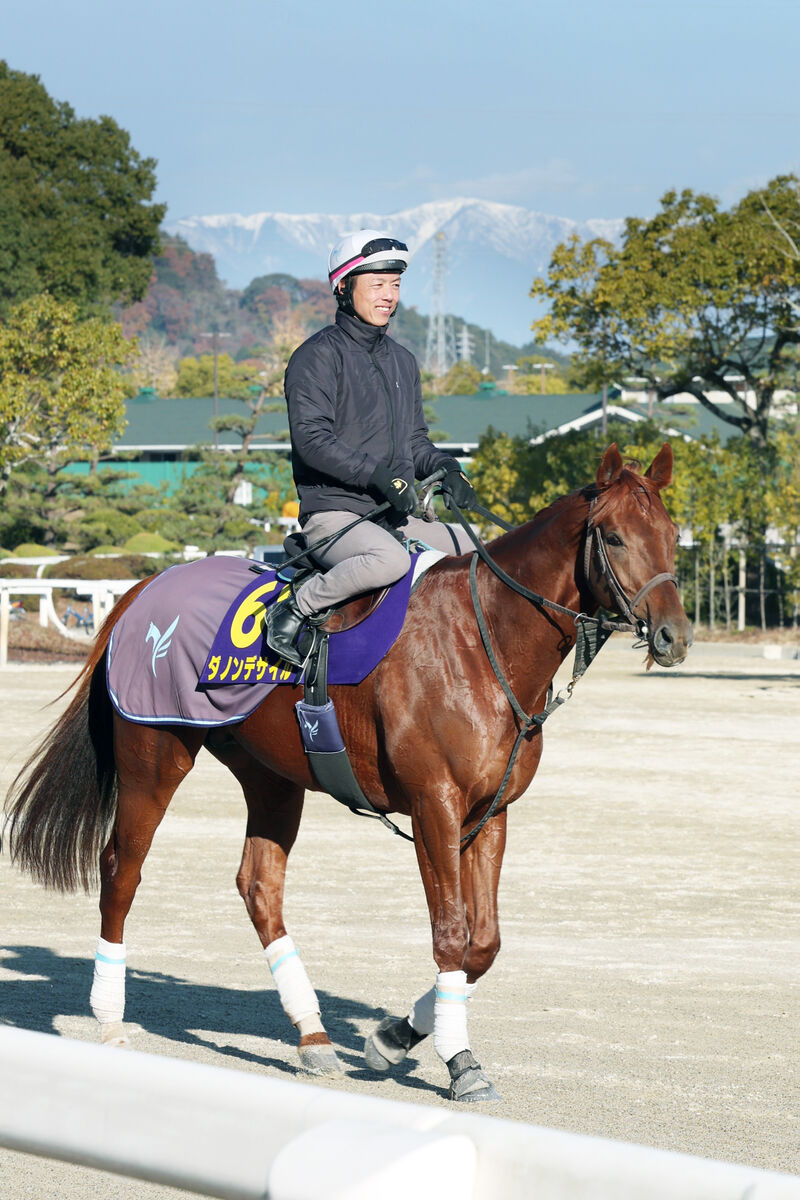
x=366, y=250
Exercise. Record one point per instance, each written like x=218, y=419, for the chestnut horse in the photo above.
x=429, y=732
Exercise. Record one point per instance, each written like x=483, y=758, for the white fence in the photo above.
x=246, y=1137
x=100, y=593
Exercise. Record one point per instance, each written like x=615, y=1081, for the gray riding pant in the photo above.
x=367, y=557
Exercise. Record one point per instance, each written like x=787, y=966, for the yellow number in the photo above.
x=251, y=609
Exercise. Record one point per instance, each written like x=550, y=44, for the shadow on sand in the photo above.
x=755, y=677
x=51, y=986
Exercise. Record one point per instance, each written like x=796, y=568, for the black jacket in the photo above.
x=355, y=403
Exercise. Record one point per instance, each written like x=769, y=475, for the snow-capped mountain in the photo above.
x=493, y=252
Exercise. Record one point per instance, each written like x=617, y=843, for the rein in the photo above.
x=332, y=538
x=594, y=537
x=591, y=632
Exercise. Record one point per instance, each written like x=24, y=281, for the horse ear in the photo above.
x=611, y=466
x=660, y=469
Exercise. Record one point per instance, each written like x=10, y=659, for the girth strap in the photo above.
x=331, y=766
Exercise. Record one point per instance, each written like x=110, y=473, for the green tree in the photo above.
x=287, y=336
x=500, y=472
x=533, y=378
x=75, y=212
x=461, y=380
x=196, y=377
x=696, y=299
x=784, y=505
x=751, y=470
x=61, y=393
x=202, y=512
x=516, y=477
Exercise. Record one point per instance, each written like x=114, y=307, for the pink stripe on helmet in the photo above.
x=336, y=275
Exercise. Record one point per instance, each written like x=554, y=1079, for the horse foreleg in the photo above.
x=480, y=879
x=150, y=764
x=274, y=808
x=454, y=891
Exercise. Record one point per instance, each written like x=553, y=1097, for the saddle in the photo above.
x=342, y=616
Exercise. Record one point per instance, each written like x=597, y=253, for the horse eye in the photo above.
x=613, y=539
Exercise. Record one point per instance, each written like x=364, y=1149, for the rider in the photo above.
x=359, y=438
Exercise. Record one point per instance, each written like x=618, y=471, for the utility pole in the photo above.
x=215, y=335
x=510, y=368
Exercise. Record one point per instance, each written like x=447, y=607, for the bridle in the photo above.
x=625, y=606
x=593, y=540
x=591, y=632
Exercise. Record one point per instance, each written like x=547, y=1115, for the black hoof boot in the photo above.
x=468, y=1084
x=389, y=1044
x=287, y=633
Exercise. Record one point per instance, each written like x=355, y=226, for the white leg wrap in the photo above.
x=450, y=1014
x=297, y=996
x=421, y=1016
x=108, y=987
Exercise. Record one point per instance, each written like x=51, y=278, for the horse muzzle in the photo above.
x=669, y=641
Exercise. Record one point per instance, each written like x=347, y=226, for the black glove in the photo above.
x=457, y=487
x=398, y=491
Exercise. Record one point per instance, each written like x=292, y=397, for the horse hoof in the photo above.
x=382, y=1051
x=113, y=1033
x=468, y=1083
x=390, y=1042
x=319, y=1058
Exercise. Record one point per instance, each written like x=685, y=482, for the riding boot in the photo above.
x=287, y=633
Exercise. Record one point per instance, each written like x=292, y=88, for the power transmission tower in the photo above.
x=440, y=351
x=464, y=345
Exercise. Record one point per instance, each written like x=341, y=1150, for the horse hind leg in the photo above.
x=274, y=809
x=150, y=763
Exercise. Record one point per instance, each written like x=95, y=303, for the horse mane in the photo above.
x=604, y=498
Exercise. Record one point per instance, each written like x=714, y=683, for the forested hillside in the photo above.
x=187, y=303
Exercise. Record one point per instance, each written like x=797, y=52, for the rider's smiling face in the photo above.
x=375, y=297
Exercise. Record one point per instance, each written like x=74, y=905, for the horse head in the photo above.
x=629, y=559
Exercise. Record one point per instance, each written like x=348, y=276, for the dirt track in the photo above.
x=647, y=989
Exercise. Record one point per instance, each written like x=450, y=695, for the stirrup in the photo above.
x=288, y=642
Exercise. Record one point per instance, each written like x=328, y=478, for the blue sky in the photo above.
x=574, y=108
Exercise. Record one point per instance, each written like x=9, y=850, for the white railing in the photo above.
x=101, y=594
x=242, y=1136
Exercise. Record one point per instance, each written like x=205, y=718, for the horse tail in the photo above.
x=62, y=805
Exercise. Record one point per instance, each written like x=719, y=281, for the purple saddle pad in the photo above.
x=159, y=667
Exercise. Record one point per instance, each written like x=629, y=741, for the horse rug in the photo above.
x=191, y=649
